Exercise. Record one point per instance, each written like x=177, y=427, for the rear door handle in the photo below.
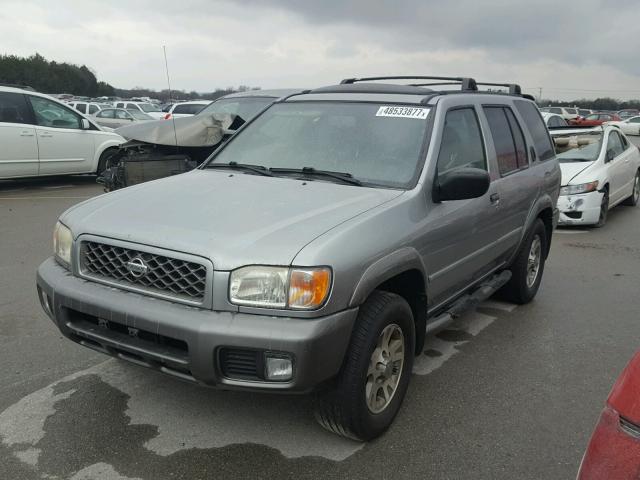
x=46, y=135
x=495, y=198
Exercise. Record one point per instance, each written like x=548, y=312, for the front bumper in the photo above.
x=583, y=209
x=186, y=341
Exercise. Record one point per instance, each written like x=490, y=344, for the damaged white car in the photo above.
x=600, y=169
x=168, y=147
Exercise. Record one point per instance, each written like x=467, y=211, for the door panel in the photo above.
x=64, y=147
x=19, y=152
x=19, y=147
x=618, y=169
x=461, y=244
x=65, y=151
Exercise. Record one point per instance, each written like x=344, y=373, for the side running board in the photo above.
x=468, y=301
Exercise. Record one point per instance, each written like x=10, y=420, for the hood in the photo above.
x=232, y=218
x=194, y=131
x=570, y=170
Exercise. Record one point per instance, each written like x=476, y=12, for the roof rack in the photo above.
x=466, y=83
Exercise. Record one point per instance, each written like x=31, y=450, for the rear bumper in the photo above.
x=581, y=209
x=186, y=341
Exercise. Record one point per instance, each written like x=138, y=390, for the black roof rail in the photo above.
x=466, y=83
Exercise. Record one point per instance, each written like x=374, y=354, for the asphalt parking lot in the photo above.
x=507, y=392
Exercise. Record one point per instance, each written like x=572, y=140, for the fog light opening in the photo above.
x=44, y=300
x=278, y=367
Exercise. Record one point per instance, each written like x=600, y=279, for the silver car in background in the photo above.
x=119, y=117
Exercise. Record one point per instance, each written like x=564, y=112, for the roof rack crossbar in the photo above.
x=466, y=83
x=433, y=84
x=514, y=89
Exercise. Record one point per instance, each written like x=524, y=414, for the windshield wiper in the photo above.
x=259, y=169
x=310, y=171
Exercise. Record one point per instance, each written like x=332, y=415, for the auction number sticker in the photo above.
x=402, y=112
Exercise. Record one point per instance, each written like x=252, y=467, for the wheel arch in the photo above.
x=403, y=273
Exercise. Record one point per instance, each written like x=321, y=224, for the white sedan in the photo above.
x=42, y=136
x=600, y=169
x=630, y=126
x=553, y=120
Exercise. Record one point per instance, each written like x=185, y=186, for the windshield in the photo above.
x=244, y=107
x=376, y=144
x=147, y=107
x=138, y=115
x=583, y=147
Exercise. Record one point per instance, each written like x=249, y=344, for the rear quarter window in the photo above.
x=535, y=124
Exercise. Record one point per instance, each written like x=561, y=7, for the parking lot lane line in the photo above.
x=53, y=187
x=439, y=348
x=498, y=305
x=102, y=471
x=47, y=198
x=570, y=232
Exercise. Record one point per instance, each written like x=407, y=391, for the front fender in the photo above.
x=103, y=144
x=395, y=263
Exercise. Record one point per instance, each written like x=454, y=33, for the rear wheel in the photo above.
x=632, y=200
x=528, y=266
x=604, y=210
x=375, y=375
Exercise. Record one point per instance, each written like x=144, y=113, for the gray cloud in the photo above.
x=565, y=46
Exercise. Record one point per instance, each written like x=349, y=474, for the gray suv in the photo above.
x=317, y=247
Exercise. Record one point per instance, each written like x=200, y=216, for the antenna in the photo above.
x=173, y=119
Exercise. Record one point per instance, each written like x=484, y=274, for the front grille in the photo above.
x=163, y=275
x=243, y=364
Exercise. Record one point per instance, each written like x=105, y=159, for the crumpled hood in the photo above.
x=195, y=131
x=230, y=217
x=571, y=170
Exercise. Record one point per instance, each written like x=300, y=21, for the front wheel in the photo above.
x=528, y=266
x=375, y=374
x=604, y=210
x=632, y=200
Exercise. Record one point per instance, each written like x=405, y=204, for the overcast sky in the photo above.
x=571, y=49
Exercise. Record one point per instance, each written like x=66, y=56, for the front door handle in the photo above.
x=26, y=134
x=495, y=198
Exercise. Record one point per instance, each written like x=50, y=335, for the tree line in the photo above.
x=54, y=77
x=51, y=77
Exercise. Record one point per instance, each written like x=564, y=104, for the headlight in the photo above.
x=62, y=240
x=280, y=287
x=577, y=189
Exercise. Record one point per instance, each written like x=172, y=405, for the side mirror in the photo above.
x=610, y=155
x=85, y=124
x=461, y=184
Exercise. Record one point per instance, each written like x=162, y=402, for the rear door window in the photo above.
x=503, y=140
x=518, y=139
x=539, y=133
x=93, y=109
x=461, y=145
x=14, y=108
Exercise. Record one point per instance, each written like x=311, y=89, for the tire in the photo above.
x=105, y=158
x=522, y=288
x=604, y=210
x=632, y=200
x=344, y=408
